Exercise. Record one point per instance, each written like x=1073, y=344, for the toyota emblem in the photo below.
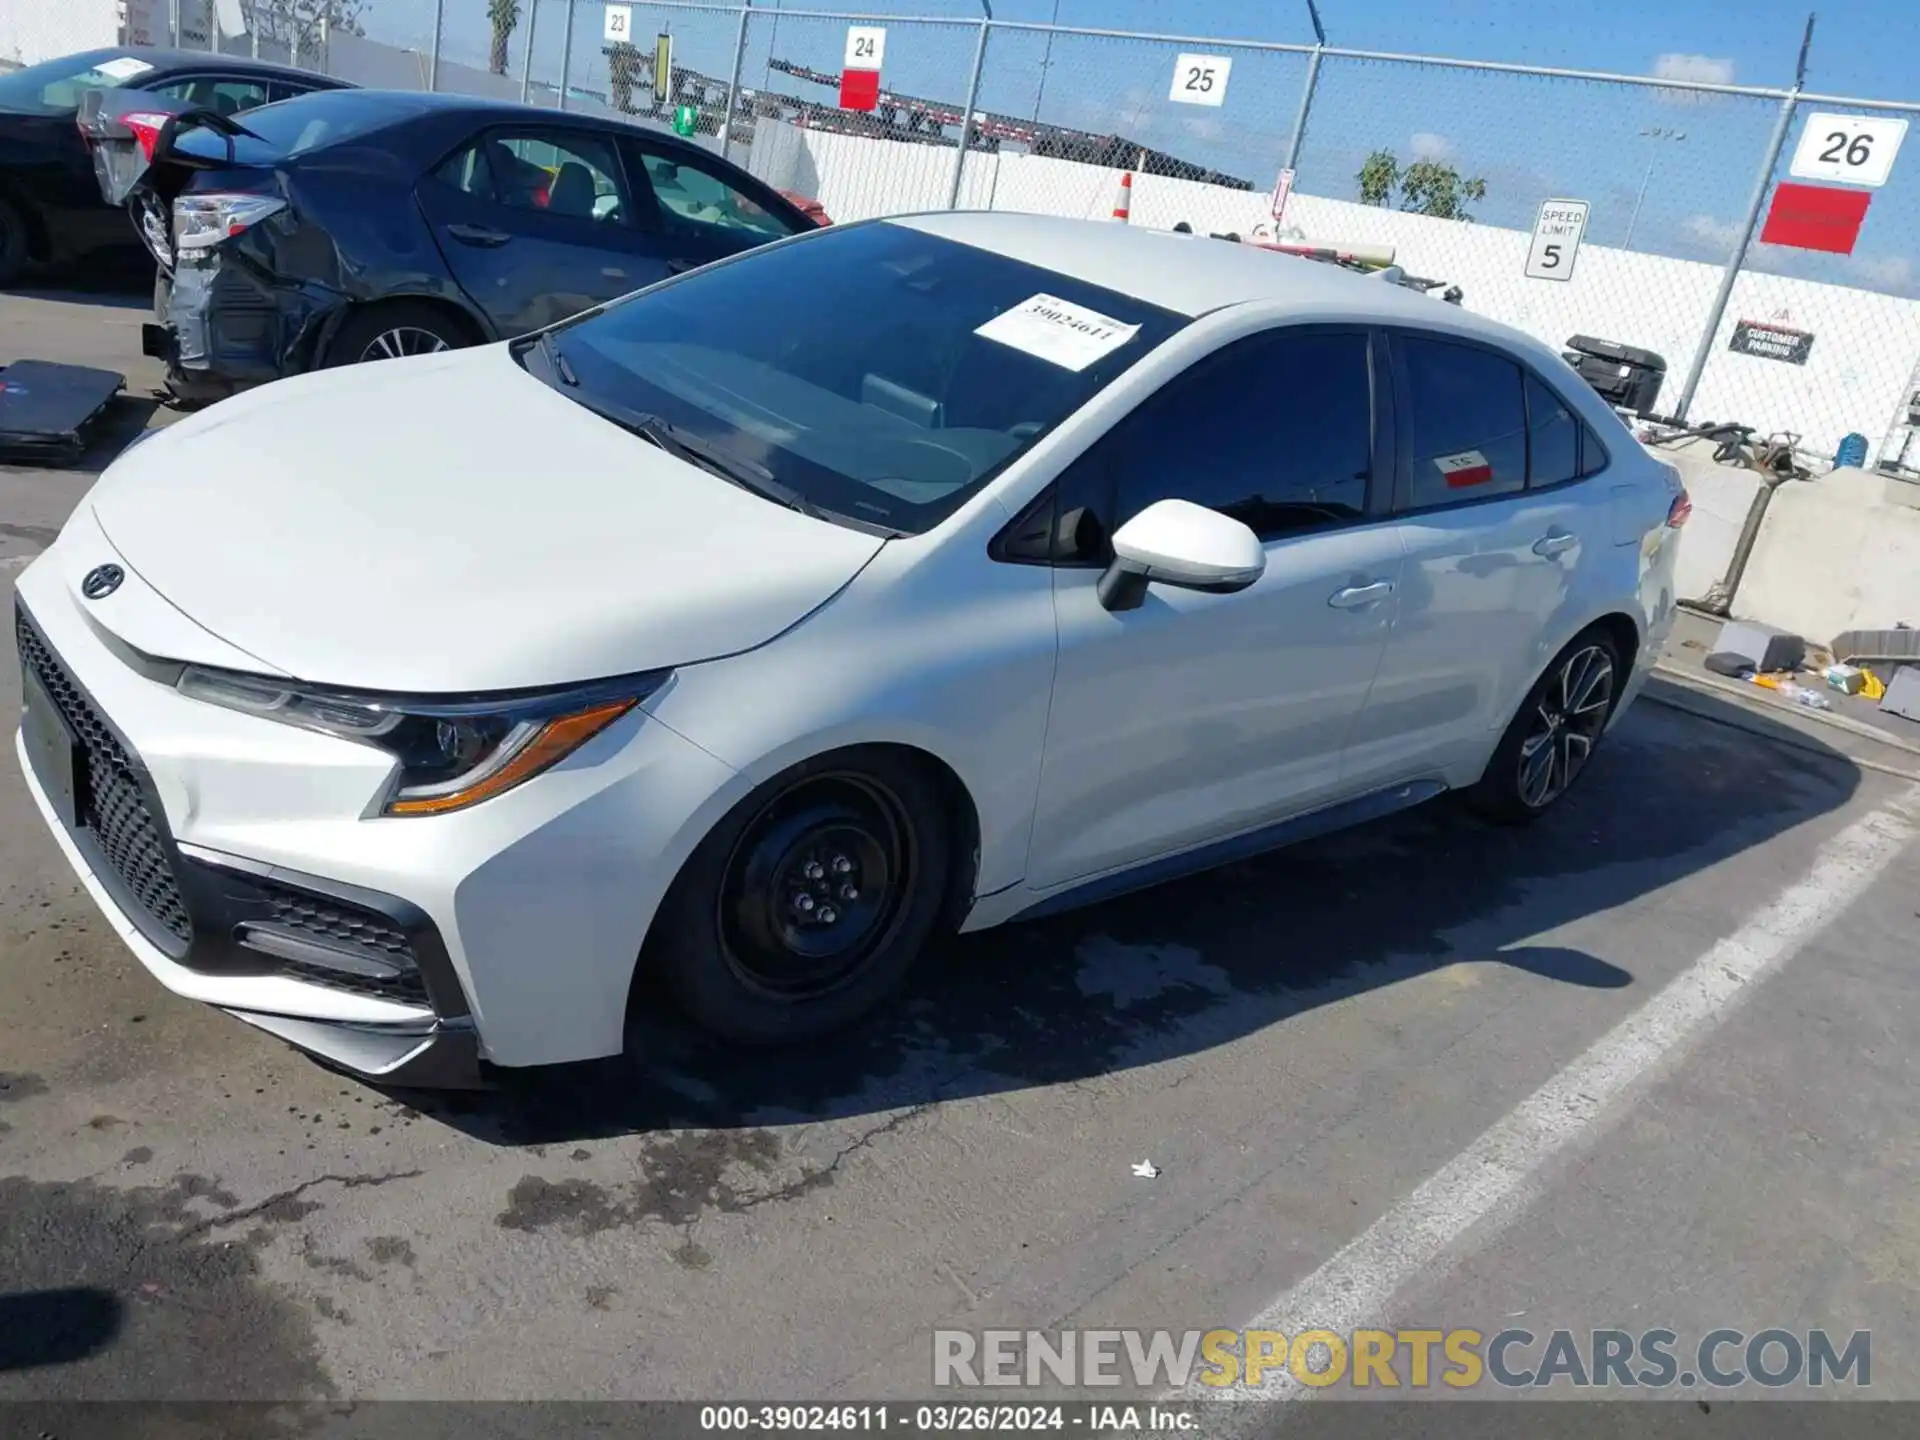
x=102, y=581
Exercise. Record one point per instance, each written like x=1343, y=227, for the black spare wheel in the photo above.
x=808, y=903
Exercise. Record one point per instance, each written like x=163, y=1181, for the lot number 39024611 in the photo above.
x=1852, y=149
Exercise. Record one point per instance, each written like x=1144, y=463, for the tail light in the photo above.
x=203, y=220
x=146, y=126
x=1679, y=510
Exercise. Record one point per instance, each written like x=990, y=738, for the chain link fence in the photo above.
x=1657, y=189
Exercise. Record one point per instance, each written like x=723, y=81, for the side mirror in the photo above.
x=1176, y=542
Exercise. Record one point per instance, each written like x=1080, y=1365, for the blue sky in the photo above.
x=1530, y=139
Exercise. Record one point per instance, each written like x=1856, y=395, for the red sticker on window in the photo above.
x=1465, y=470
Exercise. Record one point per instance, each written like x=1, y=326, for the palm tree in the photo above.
x=505, y=15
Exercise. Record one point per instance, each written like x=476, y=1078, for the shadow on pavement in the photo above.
x=1188, y=966
x=56, y=1327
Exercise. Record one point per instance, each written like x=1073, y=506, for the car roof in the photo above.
x=508, y=111
x=166, y=61
x=1194, y=274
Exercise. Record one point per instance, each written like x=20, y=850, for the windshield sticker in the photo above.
x=1465, y=470
x=125, y=68
x=1070, y=336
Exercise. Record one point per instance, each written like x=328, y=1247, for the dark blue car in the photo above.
x=365, y=225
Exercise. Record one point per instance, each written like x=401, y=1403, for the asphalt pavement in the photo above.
x=1643, y=1066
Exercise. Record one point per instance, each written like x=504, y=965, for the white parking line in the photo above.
x=1492, y=1180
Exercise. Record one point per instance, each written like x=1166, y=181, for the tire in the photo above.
x=1560, y=725
x=13, y=242
x=403, y=328
x=860, y=837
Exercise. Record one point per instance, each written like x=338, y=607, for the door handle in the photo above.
x=1355, y=597
x=1555, y=542
x=477, y=235
x=680, y=267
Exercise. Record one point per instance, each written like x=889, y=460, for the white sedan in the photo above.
x=902, y=577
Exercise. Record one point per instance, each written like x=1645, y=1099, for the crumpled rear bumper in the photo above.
x=221, y=327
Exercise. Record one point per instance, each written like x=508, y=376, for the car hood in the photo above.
x=452, y=524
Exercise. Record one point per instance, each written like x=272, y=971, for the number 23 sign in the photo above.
x=1852, y=149
x=1200, y=79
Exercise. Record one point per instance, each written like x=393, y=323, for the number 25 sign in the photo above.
x=1852, y=149
x=1200, y=79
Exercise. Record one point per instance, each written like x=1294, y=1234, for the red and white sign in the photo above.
x=1815, y=217
x=1465, y=470
x=1282, y=188
x=860, y=67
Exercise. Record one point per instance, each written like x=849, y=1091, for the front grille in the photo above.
x=351, y=929
x=111, y=803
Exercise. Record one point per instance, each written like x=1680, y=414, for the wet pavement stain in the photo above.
x=143, y=1298
x=684, y=1176
x=20, y=1087
x=139, y=1155
x=391, y=1250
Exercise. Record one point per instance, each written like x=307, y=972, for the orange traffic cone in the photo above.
x=1123, y=198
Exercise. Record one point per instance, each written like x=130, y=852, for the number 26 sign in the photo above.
x=1200, y=79
x=1852, y=149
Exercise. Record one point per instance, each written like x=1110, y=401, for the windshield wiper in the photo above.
x=557, y=362
x=684, y=445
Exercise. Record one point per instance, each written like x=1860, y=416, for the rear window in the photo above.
x=54, y=87
x=291, y=128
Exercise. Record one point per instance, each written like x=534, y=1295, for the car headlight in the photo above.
x=451, y=754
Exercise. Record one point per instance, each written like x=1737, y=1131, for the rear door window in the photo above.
x=562, y=175
x=1553, y=438
x=227, y=96
x=1467, y=418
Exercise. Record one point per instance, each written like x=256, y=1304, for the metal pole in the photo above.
x=1634, y=218
x=326, y=41
x=526, y=58
x=433, y=59
x=966, y=117
x=1306, y=104
x=566, y=56
x=1046, y=66
x=173, y=23
x=213, y=26
x=733, y=81
x=1762, y=183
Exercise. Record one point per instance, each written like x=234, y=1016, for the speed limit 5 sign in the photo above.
x=1852, y=149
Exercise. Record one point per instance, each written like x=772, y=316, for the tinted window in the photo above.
x=1276, y=431
x=1469, y=423
x=1593, y=455
x=54, y=87
x=294, y=127
x=880, y=372
x=224, y=97
x=571, y=175
x=697, y=197
x=1553, y=438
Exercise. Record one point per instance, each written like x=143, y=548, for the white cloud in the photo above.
x=1722, y=235
x=1708, y=69
x=1705, y=69
x=1428, y=146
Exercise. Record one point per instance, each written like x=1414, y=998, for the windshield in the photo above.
x=293, y=127
x=54, y=87
x=879, y=373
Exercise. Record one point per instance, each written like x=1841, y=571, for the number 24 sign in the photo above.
x=1200, y=79
x=1852, y=149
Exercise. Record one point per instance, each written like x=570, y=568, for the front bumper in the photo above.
x=222, y=928
x=539, y=899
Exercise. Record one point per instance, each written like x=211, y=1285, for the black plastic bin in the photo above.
x=1625, y=375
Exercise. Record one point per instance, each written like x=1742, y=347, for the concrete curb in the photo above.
x=1750, y=718
x=1744, y=693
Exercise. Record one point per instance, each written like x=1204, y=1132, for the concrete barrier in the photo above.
x=1841, y=552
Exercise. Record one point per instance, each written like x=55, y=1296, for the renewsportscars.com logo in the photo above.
x=1242, y=1361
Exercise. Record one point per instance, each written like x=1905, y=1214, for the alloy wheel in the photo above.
x=401, y=341
x=1567, y=722
x=816, y=886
